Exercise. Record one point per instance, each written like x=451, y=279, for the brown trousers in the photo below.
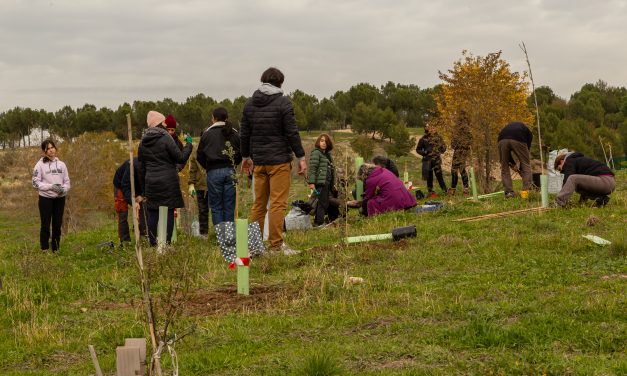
x=585, y=185
x=520, y=150
x=271, y=181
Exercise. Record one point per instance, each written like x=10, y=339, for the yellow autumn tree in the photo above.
x=492, y=96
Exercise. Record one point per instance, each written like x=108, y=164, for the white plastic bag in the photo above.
x=297, y=219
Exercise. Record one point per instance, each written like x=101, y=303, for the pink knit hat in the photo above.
x=154, y=118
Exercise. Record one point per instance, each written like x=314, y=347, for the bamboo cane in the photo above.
x=145, y=284
x=535, y=99
x=500, y=214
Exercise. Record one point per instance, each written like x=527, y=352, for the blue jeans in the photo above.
x=221, y=194
x=153, y=221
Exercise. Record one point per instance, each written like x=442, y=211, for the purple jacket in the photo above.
x=385, y=192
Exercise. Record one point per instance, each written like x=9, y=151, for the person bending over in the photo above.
x=586, y=176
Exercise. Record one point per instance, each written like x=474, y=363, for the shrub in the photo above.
x=363, y=146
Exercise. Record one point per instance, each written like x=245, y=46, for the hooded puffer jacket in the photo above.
x=268, y=129
x=159, y=177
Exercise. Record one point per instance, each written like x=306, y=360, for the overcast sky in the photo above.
x=106, y=52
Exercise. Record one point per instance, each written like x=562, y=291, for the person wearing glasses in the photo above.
x=590, y=178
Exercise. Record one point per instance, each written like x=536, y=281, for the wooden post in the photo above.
x=544, y=187
x=359, y=185
x=145, y=284
x=94, y=359
x=127, y=361
x=140, y=343
x=473, y=184
x=241, y=239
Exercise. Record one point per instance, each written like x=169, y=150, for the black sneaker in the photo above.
x=601, y=201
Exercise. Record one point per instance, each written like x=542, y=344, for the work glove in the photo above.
x=188, y=139
x=192, y=190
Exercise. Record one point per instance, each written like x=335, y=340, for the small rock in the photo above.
x=354, y=280
x=592, y=220
x=83, y=309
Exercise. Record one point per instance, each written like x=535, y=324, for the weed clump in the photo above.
x=321, y=365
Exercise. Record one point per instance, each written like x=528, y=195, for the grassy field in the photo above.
x=514, y=296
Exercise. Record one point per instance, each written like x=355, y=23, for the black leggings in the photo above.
x=323, y=207
x=50, y=210
x=462, y=172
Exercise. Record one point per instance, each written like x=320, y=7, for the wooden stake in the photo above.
x=94, y=360
x=499, y=215
x=486, y=195
x=535, y=99
x=145, y=284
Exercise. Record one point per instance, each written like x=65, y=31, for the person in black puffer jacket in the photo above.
x=586, y=176
x=159, y=177
x=269, y=138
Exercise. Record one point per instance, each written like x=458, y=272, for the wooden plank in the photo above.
x=140, y=343
x=127, y=361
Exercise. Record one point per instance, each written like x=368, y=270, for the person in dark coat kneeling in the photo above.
x=159, y=155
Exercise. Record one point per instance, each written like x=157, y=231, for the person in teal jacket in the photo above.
x=321, y=179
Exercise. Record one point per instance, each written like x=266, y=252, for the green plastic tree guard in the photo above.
x=544, y=187
x=359, y=185
x=473, y=183
x=241, y=238
x=162, y=227
x=368, y=238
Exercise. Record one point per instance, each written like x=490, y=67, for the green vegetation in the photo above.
x=519, y=295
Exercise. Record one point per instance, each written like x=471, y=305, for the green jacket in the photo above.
x=319, y=163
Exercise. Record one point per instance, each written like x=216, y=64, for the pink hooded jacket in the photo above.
x=46, y=174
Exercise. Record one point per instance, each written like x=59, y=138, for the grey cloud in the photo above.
x=67, y=52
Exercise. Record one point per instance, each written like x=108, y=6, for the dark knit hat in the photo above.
x=170, y=122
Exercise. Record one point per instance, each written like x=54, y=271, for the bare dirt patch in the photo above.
x=227, y=300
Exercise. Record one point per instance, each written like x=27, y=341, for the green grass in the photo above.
x=518, y=295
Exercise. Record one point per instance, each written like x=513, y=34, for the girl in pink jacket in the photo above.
x=51, y=179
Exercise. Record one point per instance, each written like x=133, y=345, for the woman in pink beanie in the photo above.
x=159, y=177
